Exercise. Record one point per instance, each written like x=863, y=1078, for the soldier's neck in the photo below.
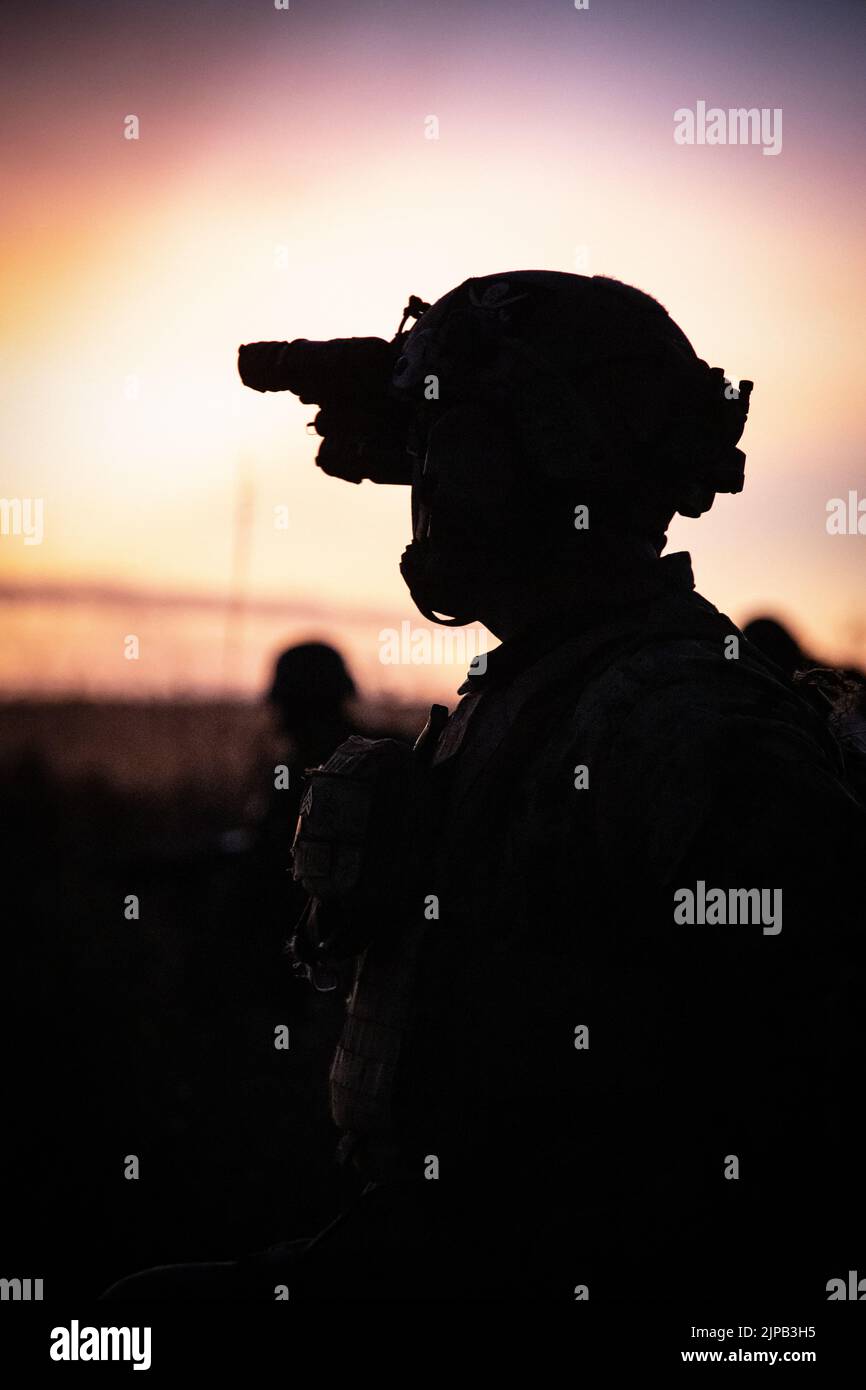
x=583, y=585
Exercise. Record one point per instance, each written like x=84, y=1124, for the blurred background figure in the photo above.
x=312, y=701
x=839, y=693
x=314, y=706
x=778, y=643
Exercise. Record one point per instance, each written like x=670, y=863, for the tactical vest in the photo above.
x=578, y=670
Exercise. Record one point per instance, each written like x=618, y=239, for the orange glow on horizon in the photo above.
x=281, y=203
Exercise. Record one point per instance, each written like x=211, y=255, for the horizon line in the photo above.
x=107, y=593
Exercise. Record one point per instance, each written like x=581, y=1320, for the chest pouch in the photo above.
x=352, y=847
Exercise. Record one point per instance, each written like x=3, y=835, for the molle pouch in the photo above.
x=352, y=847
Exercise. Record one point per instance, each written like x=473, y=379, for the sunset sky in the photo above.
x=282, y=186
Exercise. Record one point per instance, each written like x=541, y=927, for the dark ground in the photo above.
x=152, y=1037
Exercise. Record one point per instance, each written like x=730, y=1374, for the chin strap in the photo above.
x=416, y=578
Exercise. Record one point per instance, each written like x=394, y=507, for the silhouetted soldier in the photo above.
x=779, y=644
x=309, y=699
x=840, y=694
x=603, y=1032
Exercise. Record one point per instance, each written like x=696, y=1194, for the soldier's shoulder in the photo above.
x=669, y=731
x=686, y=688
